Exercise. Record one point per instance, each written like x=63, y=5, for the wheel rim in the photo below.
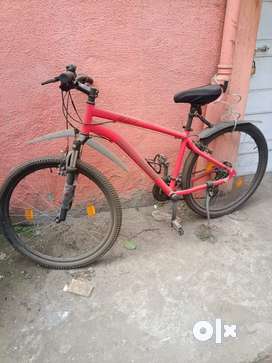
x=34, y=203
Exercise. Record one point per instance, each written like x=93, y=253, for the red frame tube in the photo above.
x=90, y=127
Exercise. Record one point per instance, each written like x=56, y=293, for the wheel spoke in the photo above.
x=83, y=235
x=247, y=142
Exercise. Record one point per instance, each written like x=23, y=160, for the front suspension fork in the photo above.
x=71, y=177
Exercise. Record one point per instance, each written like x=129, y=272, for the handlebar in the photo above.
x=70, y=80
x=56, y=79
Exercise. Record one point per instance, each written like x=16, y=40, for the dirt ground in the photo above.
x=149, y=294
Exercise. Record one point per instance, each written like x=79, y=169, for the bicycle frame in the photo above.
x=89, y=127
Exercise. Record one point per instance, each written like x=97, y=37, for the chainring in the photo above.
x=158, y=193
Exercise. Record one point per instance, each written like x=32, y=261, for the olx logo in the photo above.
x=203, y=331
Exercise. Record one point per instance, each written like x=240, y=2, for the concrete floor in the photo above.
x=146, y=301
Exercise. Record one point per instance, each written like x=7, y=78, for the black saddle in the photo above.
x=199, y=96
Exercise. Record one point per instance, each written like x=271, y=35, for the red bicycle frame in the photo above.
x=90, y=127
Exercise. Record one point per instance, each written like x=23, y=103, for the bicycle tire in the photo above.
x=192, y=158
x=90, y=172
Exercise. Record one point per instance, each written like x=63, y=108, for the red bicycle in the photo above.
x=63, y=213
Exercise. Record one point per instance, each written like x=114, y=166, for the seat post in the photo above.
x=192, y=113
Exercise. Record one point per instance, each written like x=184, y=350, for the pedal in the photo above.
x=177, y=226
x=175, y=223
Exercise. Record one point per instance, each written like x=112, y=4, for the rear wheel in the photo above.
x=30, y=202
x=246, y=152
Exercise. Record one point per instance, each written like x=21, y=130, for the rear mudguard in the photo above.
x=207, y=133
x=90, y=142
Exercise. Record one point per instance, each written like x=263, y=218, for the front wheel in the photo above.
x=30, y=202
x=244, y=149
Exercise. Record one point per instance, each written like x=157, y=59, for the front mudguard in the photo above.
x=90, y=142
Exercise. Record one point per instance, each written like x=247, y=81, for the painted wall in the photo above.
x=139, y=52
x=244, y=50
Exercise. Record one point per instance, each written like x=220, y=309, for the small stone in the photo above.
x=27, y=275
x=161, y=216
x=3, y=256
